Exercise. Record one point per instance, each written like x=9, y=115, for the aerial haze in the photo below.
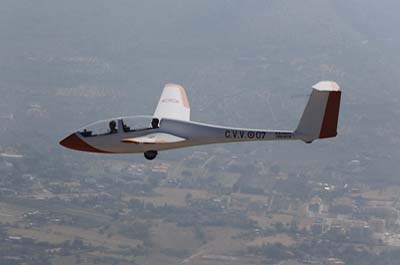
x=243, y=63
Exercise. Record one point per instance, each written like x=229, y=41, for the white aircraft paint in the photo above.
x=175, y=130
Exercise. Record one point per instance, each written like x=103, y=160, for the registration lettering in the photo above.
x=237, y=134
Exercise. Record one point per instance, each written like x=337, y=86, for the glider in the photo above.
x=170, y=126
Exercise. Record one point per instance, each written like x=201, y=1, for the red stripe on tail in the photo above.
x=331, y=117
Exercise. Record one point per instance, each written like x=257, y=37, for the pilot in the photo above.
x=125, y=127
x=154, y=123
x=86, y=133
x=113, y=127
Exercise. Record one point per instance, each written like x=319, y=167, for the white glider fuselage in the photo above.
x=170, y=127
x=191, y=133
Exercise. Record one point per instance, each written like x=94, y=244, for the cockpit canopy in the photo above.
x=121, y=124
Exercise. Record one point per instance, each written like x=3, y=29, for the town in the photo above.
x=131, y=211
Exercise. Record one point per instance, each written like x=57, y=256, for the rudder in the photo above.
x=321, y=115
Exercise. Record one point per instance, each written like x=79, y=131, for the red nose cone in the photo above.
x=76, y=143
x=71, y=142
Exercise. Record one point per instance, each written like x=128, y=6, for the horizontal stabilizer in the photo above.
x=155, y=138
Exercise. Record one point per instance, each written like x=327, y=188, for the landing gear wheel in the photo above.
x=150, y=155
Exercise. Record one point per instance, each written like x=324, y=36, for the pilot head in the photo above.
x=154, y=123
x=113, y=126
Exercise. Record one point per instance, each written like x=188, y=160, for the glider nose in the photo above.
x=75, y=142
x=70, y=141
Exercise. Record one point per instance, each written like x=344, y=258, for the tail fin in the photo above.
x=320, y=118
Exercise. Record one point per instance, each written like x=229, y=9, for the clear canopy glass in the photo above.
x=120, y=124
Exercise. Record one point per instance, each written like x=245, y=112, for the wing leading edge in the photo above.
x=173, y=103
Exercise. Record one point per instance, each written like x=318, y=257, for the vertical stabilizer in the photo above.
x=320, y=117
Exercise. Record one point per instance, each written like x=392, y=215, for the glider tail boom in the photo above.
x=320, y=117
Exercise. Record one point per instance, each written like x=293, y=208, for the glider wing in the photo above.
x=155, y=138
x=173, y=103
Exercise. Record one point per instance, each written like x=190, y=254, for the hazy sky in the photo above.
x=242, y=63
